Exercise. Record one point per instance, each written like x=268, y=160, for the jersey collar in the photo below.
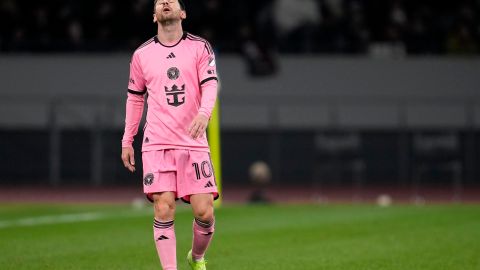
x=158, y=41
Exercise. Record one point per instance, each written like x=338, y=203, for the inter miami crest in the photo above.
x=173, y=73
x=148, y=180
x=175, y=96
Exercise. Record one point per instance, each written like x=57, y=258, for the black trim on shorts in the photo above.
x=208, y=79
x=214, y=198
x=151, y=200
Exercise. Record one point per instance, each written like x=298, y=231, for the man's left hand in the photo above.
x=198, y=126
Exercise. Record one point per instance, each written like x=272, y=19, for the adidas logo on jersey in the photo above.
x=171, y=55
x=209, y=184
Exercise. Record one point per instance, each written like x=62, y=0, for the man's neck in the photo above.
x=170, y=32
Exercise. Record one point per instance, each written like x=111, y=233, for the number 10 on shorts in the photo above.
x=205, y=169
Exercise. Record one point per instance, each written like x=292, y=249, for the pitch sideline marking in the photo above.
x=67, y=218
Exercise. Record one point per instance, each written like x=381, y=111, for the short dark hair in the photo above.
x=182, y=4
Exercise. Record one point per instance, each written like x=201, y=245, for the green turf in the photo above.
x=262, y=237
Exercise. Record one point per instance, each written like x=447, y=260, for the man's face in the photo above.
x=168, y=10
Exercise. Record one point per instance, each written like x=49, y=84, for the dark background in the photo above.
x=340, y=26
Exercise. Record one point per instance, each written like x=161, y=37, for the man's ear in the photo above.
x=155, y=18
x=183, y=14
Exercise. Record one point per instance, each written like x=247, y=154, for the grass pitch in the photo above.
x=304, y=237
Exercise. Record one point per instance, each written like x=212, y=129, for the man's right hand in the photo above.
x=128, y=158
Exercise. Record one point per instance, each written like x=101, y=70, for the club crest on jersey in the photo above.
x=148, y=180
x=173, y=73
x=175, y=96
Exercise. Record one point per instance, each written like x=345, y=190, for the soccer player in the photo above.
x=175, y=72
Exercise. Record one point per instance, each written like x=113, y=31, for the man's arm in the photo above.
x=134, y=111
x=133, y=116
x=207, y=73
x=200, y=122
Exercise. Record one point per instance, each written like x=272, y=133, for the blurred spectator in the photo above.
x=136, y=27
x=358, y=35
x=417, y=33
x=260, y=177
x=258, y=55
x=295, y=22
x=397, y=15
x=75, y=34
x=461, y=41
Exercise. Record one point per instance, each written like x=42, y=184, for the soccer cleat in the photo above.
x=200, y=265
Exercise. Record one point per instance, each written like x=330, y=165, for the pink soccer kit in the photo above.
x=180, y=81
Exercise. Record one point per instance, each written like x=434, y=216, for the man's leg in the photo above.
x=163, y=229
x=203, y=224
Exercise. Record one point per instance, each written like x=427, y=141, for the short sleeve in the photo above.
x=207, y=65
x=136, y=82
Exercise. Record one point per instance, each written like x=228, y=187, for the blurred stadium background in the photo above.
x=337, y=97
x=322, y=102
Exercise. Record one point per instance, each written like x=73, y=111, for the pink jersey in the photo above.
x=180, y=82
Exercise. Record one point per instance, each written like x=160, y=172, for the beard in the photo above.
x=169, y=17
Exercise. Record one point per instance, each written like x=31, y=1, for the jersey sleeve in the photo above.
x=207, y=68
x=135, y=101
x=133, y=116
x=207, y=65
x=136, y=83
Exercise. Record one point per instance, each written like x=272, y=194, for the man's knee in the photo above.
x=164, y=205
x=204, y=211
x=205, y=214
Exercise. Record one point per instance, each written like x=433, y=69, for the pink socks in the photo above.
x=202, y=235
x=165, y=241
